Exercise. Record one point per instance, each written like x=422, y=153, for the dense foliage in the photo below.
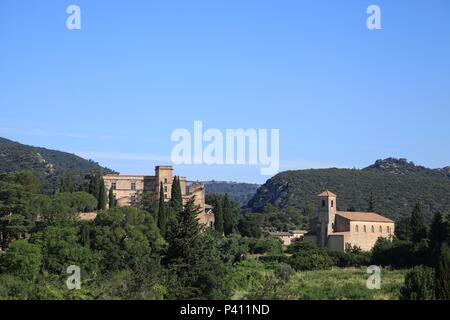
x=57, y=171
x=392, y=188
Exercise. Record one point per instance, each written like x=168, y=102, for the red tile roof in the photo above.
x=363, y=216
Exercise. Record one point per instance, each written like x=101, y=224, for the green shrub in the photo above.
x=419, y=284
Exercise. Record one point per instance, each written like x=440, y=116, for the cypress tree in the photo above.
x=94, y=185
x=218, y=216
x=176, y=198
x=101, y=196
x=162, y=212
x=442, y=274
x=418, y=227
x=229, y=217
x=439, y=232
x=111, y=198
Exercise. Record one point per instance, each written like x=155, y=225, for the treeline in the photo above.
x=153, y=250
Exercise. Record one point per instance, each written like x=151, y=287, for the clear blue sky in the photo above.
x=340, y=94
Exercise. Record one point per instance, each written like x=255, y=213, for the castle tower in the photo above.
x=326, y=214
x=164, y=174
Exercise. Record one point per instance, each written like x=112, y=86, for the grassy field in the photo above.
x=253, y=279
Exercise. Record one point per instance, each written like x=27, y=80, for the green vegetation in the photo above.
x=57, y=171
x=239, y=192
x=391, y=187
x=158, y=250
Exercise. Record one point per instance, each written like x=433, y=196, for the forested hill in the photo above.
x=239, y=192
x=395, y=185
x=50, y=166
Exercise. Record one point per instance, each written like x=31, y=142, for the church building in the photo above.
x=342, y=230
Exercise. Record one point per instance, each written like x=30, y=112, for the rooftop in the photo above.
x=327, y=194
x=363, y=216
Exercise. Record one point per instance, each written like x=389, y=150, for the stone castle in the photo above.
x=127, y=188
x=342, y=230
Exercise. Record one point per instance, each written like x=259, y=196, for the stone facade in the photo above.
x=127, y=188
x=342, y=230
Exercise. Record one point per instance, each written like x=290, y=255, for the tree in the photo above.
x=127, y=237
x=419, y=284
x=94, y=185
x=111, y=198
x=62, y=247
x=403, y=228
x=195, y=270
x=22, y=259
x=176, y=199
x=162, y=212
x=417, y=222
x=250, y=225
x=218, y=217
x=101, y=195
x=439, y=232
x=230, y=215
x=442, y=274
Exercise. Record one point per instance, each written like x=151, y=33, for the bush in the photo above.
x=284, y=272
x=399, y=253
x=306, y=256
x=22, y=259
x=419, y=284
x=269, y=245
x=350, y=259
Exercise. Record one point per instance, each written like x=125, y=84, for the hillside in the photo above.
x=239, y=192
x=50, y=166
x=394, y=184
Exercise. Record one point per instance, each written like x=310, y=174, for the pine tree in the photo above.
x=442, y=274
x=101, y=196
x=418, y=227
x=162, y=212
x=218, y=216
x=195, y=270
x=111, y=198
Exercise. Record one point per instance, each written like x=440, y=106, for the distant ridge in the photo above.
x=49, y=165
x=395, y=185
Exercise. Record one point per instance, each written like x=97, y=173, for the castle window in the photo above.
x=365, y=230
x=165, y=196
x=165, y=188
x=323, y=203
x=165, y=180
x=133, y=186
x=357, y=228
x=388, y=230
x=332, y=203
x=373, y=229
x=381, y=229
x=113, y=186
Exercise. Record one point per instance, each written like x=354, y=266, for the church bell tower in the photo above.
x=326, y=214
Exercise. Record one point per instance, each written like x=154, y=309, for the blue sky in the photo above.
x=341, y=95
